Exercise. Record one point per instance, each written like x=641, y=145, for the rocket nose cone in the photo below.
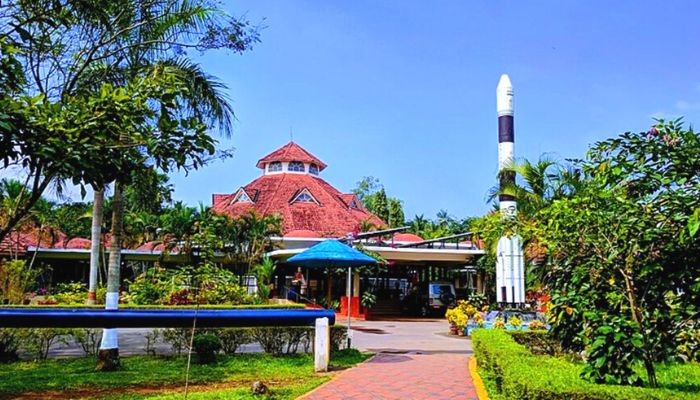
x=504, y=81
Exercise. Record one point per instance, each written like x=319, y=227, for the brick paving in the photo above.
x=414, y=360
x=402, y=376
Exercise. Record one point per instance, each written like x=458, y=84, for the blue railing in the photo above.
x=82, y=318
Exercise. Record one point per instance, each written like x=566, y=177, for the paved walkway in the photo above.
x=415, y=360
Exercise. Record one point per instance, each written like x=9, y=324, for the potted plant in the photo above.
x=451, y=316
x=368, y=301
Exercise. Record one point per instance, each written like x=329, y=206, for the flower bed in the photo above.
x=511, y=371
x=289, y=306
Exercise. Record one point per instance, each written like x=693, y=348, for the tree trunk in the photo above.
x=637, y=316
x=95, y=244
x=108, y=356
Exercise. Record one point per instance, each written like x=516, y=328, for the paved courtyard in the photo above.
x=415, y=360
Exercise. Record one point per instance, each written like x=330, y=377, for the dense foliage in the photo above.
x=511, y=371
x=613, y=238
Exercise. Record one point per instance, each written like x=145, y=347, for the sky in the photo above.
x=405, y=91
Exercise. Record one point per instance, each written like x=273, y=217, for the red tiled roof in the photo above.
x=291, y=152
x=302, y=233
x=330, y=217
x=407, y=237
x=78, y=243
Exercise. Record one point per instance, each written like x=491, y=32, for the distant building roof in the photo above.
x=407, y=237
x=291, y=152
x=305, y=202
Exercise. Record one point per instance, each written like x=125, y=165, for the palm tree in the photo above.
x=95, y=243
x=540, y=182
x=205, y=101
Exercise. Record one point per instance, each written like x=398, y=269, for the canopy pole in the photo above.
x=349, y=295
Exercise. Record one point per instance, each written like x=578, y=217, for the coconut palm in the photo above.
x=149, y=51
x=540, y=183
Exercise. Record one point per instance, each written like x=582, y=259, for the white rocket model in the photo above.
x=510, y=271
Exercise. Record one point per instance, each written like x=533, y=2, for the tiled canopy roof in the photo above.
x=291, y=152
x=329, y=215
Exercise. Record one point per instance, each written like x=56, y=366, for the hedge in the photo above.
x=513, y=372
x=291, y=306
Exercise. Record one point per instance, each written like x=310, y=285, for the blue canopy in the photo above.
x=331, y=253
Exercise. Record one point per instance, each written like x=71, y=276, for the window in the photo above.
x=304, y=196
x=353, y=204
x=241, y=197
x=313, y=169
x=296, y=166
x=274, y=166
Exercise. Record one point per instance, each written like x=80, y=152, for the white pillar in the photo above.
x=322, y=345
x=356, y=284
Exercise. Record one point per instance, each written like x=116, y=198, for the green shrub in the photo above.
x=151, y=339
x=9, y=344
x=513, y=372
x=15, y=281
x=339, y=335
x=538, y=342
x=271, y=339
x=88, y=339
x=233, y=338
x=206, y=345
x=177, y=338
x=38, y=341
x=70, y=293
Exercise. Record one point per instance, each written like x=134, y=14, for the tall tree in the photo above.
x=396, y=216
x=95, y=243
x=381, y=205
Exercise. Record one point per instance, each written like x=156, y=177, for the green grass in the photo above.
x=232, y=376
x=510, y=371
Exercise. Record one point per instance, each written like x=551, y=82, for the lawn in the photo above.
x=159, y=377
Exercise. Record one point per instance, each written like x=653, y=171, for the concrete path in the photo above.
x=415, y=360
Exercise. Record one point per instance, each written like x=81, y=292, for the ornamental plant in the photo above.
x=535, y=324
x=498, y=323
x=515, y=322
x=623, y=284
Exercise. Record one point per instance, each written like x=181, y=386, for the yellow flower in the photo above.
x=611, y=281
x=569, y=310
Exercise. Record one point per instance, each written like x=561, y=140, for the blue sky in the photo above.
x=405, y=90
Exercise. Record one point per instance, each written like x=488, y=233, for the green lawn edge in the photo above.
x=510, y=371
x=287, y=376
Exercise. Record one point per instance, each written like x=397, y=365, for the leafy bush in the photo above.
x=206, y=345
x=369, y=299
x=15, y=280
x=513, y=372
x=177, y=338
x=271, y=339
x=206, y=284
x=9, y=344
x=689, y=343
x=536, y=325
x=151, y=339
x=339, y=335
x=538, y=342
x=233, y=338
x=88, y=339
x=38, y=341
x=70, y=293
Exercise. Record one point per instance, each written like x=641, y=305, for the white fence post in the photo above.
x=322, y=345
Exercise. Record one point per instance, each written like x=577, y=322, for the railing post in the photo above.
x=322, y=345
